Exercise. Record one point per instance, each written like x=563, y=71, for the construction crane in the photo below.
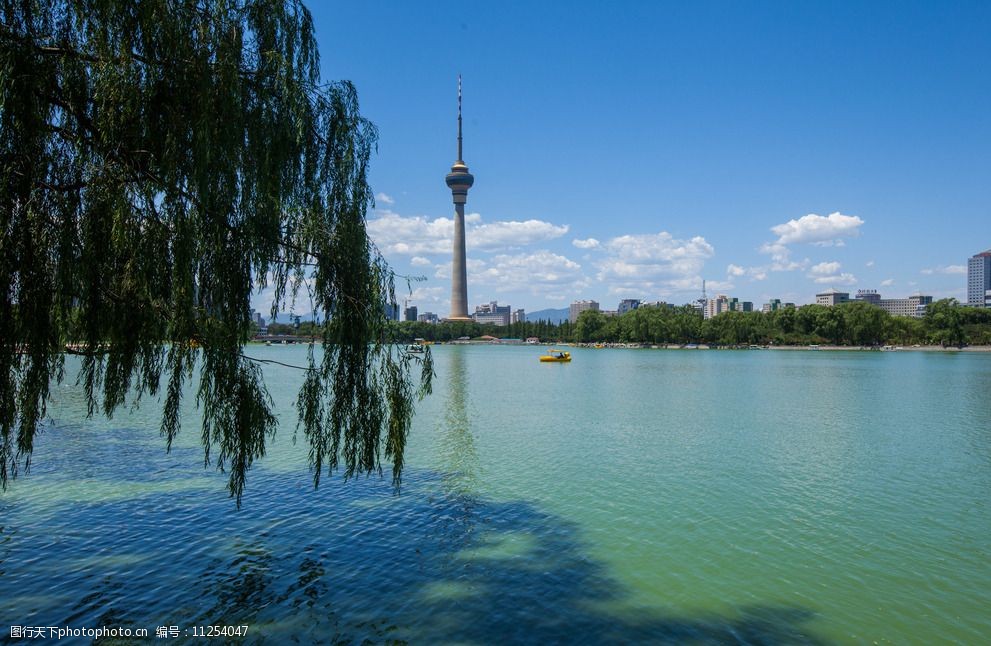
x=702, y=301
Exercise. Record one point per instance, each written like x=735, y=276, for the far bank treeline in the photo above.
x=945, y=323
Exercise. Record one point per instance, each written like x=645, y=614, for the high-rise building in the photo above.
x=492, y=313
x=628, y=305
x=409, y=314
x=518, y=316
x=979, y=278
x=716, y=306
x=774, y=305
x=257, y=318
x=578, y=307
x=428, y=317
x=459, y=180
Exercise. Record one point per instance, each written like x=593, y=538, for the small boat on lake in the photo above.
x=556, y=356
x=418, y=345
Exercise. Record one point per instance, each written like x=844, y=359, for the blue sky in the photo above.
x=631, y=149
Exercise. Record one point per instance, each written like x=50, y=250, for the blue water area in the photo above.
x=632, y=496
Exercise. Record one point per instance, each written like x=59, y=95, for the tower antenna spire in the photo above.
x=459, y=118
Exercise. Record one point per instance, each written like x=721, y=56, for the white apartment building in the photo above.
x=979, y=278
x=578, y=307
x=914, y=306
x=716, y=306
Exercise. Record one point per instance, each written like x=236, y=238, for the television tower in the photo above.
x=459, y=180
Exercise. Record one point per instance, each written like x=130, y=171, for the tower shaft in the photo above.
x=459, y=272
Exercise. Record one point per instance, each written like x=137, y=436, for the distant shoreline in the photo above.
x=900, y=348
x=675, y=346
x=808, y=348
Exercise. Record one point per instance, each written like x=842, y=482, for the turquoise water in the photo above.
x=630, y=496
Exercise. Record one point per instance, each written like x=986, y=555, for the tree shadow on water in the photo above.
x=355, y=564
x=511, y=573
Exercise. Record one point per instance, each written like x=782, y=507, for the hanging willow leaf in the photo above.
x=159, y=162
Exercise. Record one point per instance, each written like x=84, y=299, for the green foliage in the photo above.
x=864, y=323
x=159, y=161
x=591, y=326
x=944, y=320
x=856, y=323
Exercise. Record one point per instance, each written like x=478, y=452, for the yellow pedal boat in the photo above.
x=556, y=356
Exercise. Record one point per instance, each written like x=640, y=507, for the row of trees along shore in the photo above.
x=945, y=323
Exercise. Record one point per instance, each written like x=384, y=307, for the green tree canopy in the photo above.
x=590, y=326
x=159, y=162
x=945, y=321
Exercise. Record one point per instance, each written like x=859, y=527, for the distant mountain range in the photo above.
x=554, y=316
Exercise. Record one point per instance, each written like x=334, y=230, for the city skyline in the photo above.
x=774, y=151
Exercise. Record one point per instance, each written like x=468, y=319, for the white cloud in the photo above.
x=818, y=230
x=429, y=299
x=419, y=236
x=870, y=263
x=754, y=273
x=420, y=261
x=693, y=284
x=432, y=294
x=839, y=279
x=829, y=243
x=778, y=252
x=825, y=268
x=828, y=273
x=535, y=272
x=716, y=285
x=442, y=270
x=501, y=235
x=948, y=270
x=395, y=234
x=814, y=228
x=654, y=265
x=781, y=258
x=589, y=243
x=653, y=255
x=384, y=199
x=888, y=282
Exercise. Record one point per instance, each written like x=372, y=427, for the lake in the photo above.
x=658, y=496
